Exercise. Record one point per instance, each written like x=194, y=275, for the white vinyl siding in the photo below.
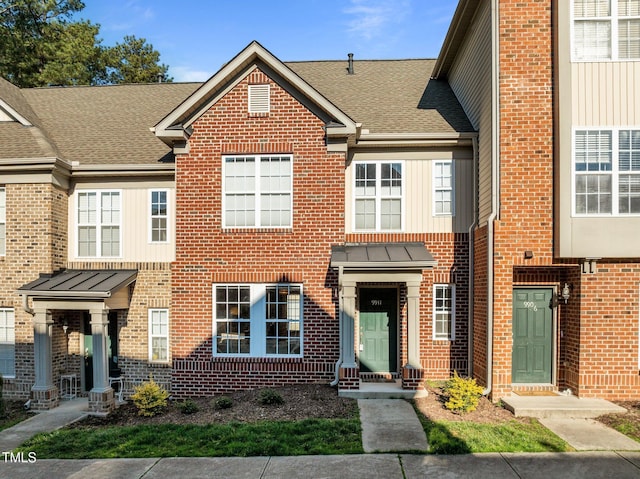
x=606, y=165
x=257, y=320
x=159, y=335
x=98, y=220
x=606, y=29
x=7, y=343
x=444, y=301
x=3, y=221
x=159, y=216
x=378, y=196
x=259, y=98
x=257, y=191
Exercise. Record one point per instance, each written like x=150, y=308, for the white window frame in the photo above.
x=258, y=320
x=8, y=340
x=166, y=216
x=378, y=197
x=161, y=314
x=614, y=172
x=259, y=98
x=451, y=189
x=257, y=191
x=451, y=312
x=613, y=20
x=3, y=221
x=98, y=223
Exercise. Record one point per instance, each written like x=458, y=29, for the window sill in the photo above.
x=256, y=359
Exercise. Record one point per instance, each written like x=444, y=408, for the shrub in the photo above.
x=270, y=397
x=223, y=402
x=188, y=406
x=149, y=398
x=463, y=394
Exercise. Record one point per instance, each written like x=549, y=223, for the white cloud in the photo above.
x=371, y=19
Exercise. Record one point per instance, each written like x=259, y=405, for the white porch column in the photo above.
x=101, y=396
x=44, y=393
x=413, y=325
x=348, y=324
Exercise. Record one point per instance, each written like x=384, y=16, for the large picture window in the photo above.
x=7, y=343
x=444, y=300
x=378, y=196
x=606, y=169
x=258, y=320
x=98, y=219
x=258, y=191
x=606, y=29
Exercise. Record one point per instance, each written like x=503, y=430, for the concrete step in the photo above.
x=559, y=406
x=382, y=390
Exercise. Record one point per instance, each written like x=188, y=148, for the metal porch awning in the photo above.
x=86, y=284
x=382, y=256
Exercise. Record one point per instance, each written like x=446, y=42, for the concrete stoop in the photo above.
x=559, y=406
x=382, y=390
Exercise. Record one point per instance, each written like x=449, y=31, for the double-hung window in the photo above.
x=159, y=216
x=444, y=305
x=3, y=221
x=443, y=194
x=606, y=29
x=258, y=320
x=7, y=343
x=378, y=196
x=258, y=191
x=98, y=217
x=159, y=335
x=606, y=166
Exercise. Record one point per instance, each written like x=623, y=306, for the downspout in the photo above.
x=476, y=157
x=336, y=379
x=495, y=155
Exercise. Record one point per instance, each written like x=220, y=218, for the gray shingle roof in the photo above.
x=111, y=124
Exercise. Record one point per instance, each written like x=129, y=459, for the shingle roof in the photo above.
x=111, y=124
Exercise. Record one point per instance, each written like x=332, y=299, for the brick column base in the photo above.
x=412, y=378
x=44, y=399
x=101, y=403
x=349, y=379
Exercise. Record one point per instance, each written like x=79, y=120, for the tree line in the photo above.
x=41, y=44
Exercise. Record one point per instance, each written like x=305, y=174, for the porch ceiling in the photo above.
x=79, y=284
x=386, y=256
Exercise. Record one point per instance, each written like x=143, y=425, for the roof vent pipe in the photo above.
x=350, y=67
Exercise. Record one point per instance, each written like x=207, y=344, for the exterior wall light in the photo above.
x=566, y=292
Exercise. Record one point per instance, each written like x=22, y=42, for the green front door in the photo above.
x=532, y=336
x=378, y=330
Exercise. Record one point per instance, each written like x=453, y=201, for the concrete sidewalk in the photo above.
x=594, y=465
x=390, y=425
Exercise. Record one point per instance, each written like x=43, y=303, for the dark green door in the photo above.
x=532, y=336
x=378, y=330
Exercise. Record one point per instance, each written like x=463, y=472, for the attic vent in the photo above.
x=259, y=98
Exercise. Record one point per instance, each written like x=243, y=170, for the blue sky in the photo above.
x=196, y=37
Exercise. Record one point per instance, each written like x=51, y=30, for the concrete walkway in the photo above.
x=390, y=425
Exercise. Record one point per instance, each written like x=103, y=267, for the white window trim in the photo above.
x=257, y=191
x=263, y=93
x=613, y=20
x=615, y=172
x=3, y=218
x=151, y=336
x=452, y=189
x=98, y=224
x=379, y=197
x=258, y=321
x=12, y=311
x=452, y=331
x=167, y=216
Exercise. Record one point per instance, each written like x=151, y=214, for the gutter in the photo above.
x=495, y=155
x=340, y=360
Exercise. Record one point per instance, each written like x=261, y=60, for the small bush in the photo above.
x=270, y=397
x=149, y=398
x=222, y=402
x=188, y=406
x=463, y=394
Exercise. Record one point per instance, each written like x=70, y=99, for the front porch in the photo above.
x=559, y=406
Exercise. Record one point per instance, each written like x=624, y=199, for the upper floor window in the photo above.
x=257, y=191
x=7, y=342
x=258, y=320
x=443, y=187
x=159, y=216
x=606, y=169
x=3, y=221
x=606, y=29
x=98, y=219
x=378, y=196
x=444, y=300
